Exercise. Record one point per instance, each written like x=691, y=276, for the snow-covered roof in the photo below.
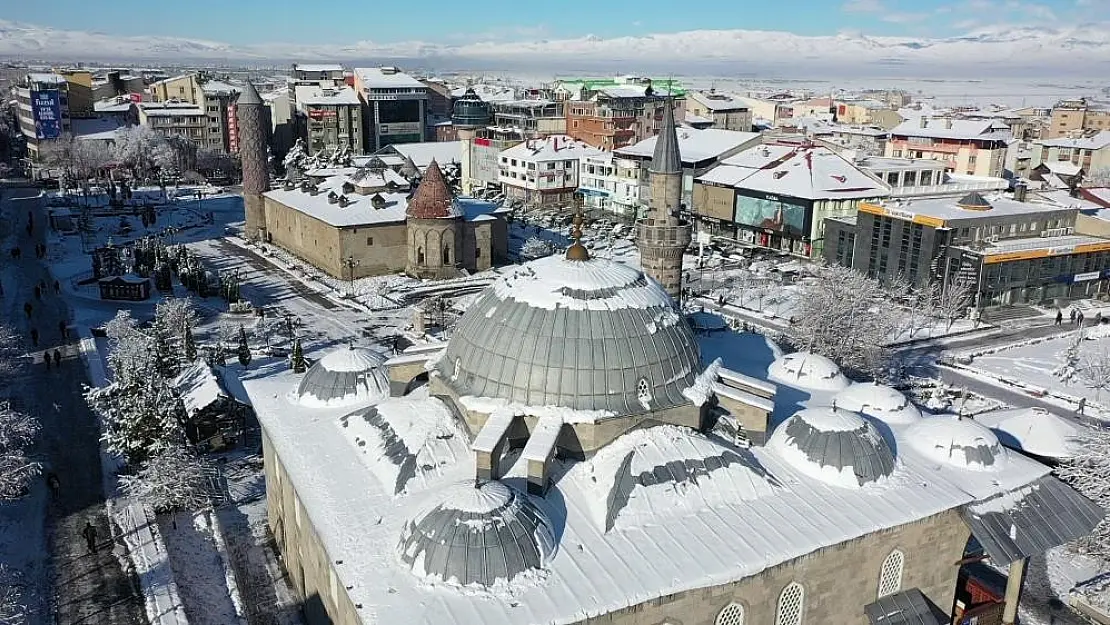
x=808, y=371
x=386, y=78
x=112, y=105
x=697, y=119
x=948, y=208
x=718, y=101
x=1062, y=168
x=218, y=87
x=46, y=78
x=1094, y=142
x=199, y=387
x=883, y=163
x=315, y=95
x=344, y=376
x=878, y=401
x=1035, y=431
x=551, y=148
x=807, y=172
x=960, y=443
x=170, y=109
x=695, y=145
x=834, y=446
x=1058, y=245
x=760, y=156
x=952, y=129
x=626, y=534
x=94, y=125
x=422, y=154
x=318, y=67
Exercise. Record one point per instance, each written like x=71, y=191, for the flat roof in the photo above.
x=162, y=109
x=951, y=129
x=695, y=145
x=386, y=78
x=945, y=209
x=899, y=164
x=315, y=95
x=318, y=67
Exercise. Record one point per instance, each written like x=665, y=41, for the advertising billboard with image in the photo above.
x=46, y=107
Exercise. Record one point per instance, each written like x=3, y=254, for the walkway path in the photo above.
x=88, y=588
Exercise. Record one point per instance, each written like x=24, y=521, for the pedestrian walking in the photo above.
x=63, y=330
x=1082, y=406
x=53, y=484
x=34, y=337
x=46, y=358
x=1072, y=316
x=1079, y=319
x=57, y=288
x=1059, y=316
x=27, y=308
x=57, y=357
x=90, y=536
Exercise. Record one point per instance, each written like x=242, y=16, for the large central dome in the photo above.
x=585, y=334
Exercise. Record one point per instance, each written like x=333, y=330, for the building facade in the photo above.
x=611, y=117
x=42, y=110
x=974, y=148
x=728, y=112
x=175, y=119
x=215, y=98
x=332, y=118
x=543, y=172
x=396, y=106
x=1089, y=153
x=1069, y=118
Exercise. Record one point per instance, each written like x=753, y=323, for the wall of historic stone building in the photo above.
x=478, y=246
x=427, y=240
x=380, y=249
x=666, y=193
x=838, y=581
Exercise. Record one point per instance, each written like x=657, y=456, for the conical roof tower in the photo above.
x=667, y=159
x=433, y=199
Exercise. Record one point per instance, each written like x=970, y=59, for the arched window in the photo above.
x=732, y=614
x=446, y=255
x=890, y=574
x=420, y=256
x=790, y=605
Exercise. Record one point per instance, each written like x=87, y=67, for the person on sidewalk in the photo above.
x=1072, y=316
x=54, y=485
x=34, y=337
x=57, y=287
x=57, y=357
x=90, y=536
x=1082, y=406
x=1059, y=316
x=46, y=358
x=1079, y=319
x=63, y=330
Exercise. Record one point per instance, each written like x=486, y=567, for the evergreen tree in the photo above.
x=299, y=365
x=220, y=357
x=244, y=350
x=190, y=344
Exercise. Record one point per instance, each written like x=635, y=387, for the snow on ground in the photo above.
x=199, y=568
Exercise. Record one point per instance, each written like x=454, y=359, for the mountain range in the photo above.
x=1080, y=51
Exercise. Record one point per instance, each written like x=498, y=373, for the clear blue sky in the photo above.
x=459, y=21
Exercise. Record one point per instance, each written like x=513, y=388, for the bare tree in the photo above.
x=951, y=301
x=1070, y=367
x=17, y=433
x=78, y=159
x=1087, y=472
x=173, y=479
x=15, y=597
x=1094, y=371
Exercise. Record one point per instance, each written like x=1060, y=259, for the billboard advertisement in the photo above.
x=46, y=107
x=772, y=213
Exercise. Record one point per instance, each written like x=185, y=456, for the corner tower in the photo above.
x=662, y=236
x=435, y=229
x=253, y=153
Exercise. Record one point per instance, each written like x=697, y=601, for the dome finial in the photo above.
x=577, y=251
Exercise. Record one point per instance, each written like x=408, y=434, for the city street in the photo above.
x=87, y=588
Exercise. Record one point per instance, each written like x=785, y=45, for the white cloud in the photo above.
x=863, y=6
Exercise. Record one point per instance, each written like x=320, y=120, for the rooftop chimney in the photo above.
x=924, y=121
x=1020, y=190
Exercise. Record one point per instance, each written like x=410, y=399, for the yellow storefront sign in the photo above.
x=904, y=215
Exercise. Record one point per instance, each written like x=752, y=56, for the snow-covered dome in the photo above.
x=1035, y=431
x=588, y=334
x=808, y=371
x=343, y=377
x=836, y=446
x=958, y=442
x=879, y=401
x=483, y=535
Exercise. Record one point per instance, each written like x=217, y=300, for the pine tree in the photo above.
x=220, y=357
x=190, y=344
x=299, y=365
x=244, y=350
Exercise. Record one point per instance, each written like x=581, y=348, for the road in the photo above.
x=88, y=588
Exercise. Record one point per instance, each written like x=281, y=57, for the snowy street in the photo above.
x=84, y=587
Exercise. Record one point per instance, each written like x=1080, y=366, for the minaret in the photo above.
x=253, y=154
x=662, y=236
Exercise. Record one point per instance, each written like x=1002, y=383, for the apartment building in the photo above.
x=727, y=111
x=1077, y=117
x=971, y=147
x=543, y=172
x=116, y=83
x=528, y=119
x=175, y=118
x=923, y=177
x=215, y=98
x=771, y=110
x=866, y=112
x=80, y=92
x=1087, y=153
x=324, y=74
x=333, y=118
x=396, y=106
x=42, y=110
x=614, y=116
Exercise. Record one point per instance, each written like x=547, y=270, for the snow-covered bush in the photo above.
x=14, y=597
x=1087, y=472
x=173, y=479
x=17, y=433
x=535, y=247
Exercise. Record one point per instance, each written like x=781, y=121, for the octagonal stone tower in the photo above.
x=662, y=236
x=435, y=229
x=253, y=154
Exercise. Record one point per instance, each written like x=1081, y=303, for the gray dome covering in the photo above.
x=486, y=534
x=958, y=442
x=837, y=446
x=585, y=334
x=345, y=376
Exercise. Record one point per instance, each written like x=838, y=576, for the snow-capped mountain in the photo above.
x=983, y=53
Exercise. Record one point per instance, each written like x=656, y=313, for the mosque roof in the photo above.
x=345, y=376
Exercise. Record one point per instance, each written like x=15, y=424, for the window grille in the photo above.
x=890, y=575
x=790, y=605
x=732, y=614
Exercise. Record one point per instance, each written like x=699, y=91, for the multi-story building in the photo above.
x=610, y=117
x=971, y=147
x=527, y=119
x=332, y=118
x=42, y=110
x=1089, y=153
x=175, y=118
x=1011, y=251
x=216, y=99
x=1077, y=117
x=863, y=140
x=543, y=172
x=117, y=83
x=772, y=110
x=728, y=111
x=923, y=177
x=780, y=196
x=80, y=88
x=396, y=106
x=283, y=121
x=324, y=74
x=867, y=112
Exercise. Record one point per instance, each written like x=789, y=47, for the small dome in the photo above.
x=878, y=401
x=836, y=446
x=479, y=535
x=808, y=371
x=958, y=442
x=345, y=376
